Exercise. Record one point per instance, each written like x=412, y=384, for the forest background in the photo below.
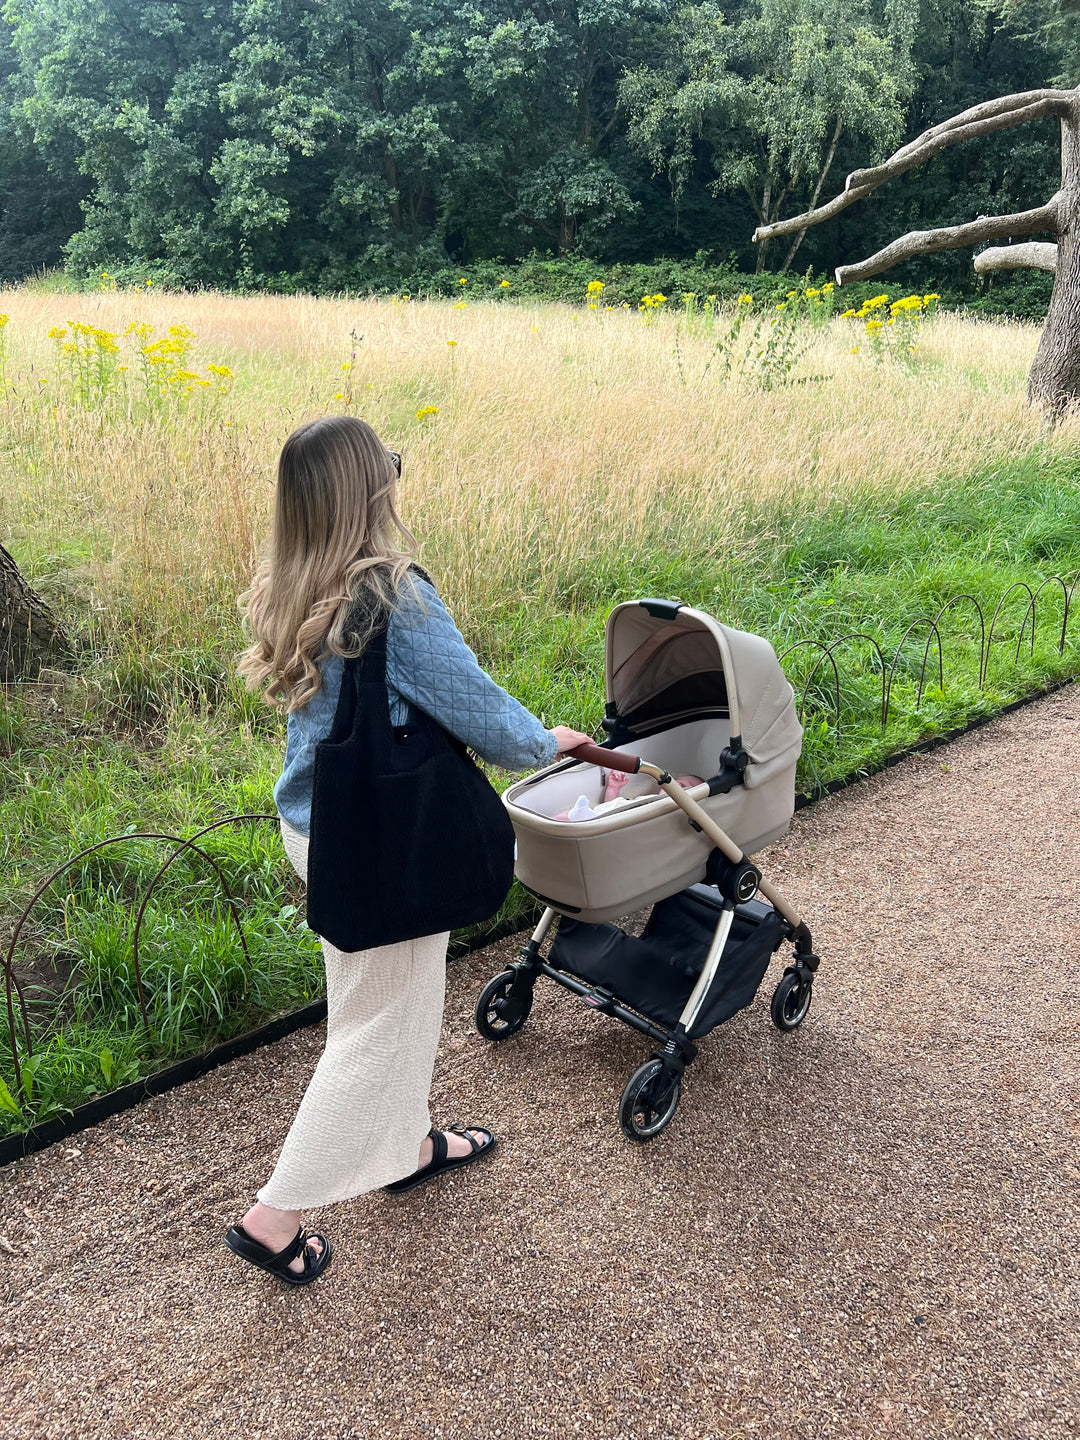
x=322, y=145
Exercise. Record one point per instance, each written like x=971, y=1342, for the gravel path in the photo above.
x=868, y=1228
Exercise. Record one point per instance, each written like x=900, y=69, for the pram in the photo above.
x=684, y=693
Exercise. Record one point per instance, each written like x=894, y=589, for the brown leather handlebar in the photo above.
x=609, y=759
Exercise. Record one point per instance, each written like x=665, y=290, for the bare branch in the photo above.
x=987, y=111
x=815, y=217
x=953, y=237
x=924, y=149
x=1033, y=256
x=985, y=119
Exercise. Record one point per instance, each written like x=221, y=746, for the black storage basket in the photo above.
x=655, y=973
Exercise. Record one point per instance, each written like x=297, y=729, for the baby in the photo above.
x=619, y=789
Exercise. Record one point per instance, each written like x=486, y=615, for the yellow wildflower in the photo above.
x=594, y=287
x=426, y=410
x=463, y=281
x=504, y=284
x=451, y=343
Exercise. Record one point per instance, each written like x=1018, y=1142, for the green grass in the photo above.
x=169, y=741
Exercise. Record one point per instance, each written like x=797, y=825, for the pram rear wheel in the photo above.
x=645, y=1109
x=500, y=1012
x=791, y=1000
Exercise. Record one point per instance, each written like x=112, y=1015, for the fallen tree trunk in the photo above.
x=30, y=635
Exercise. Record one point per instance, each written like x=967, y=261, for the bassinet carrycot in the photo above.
x=691, y=695
x=685, y=696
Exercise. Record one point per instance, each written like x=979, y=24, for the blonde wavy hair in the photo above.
x=336, y=563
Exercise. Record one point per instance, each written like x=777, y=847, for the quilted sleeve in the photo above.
x=429, y=664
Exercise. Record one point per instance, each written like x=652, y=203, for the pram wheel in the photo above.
x=642, y=1112
x=501, y=1010
x=791, y=1000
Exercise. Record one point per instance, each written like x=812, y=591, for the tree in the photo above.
x=1054, y=23
x=1054, y=381
x=29, y=633
x=770, y=95
x=341, y=146
x=542, y=124
x=38, y=211
x=127, y=95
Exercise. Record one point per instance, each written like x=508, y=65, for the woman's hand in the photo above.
x=569, y=739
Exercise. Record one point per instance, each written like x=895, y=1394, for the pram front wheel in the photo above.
x=502, y=1008
x=791, y=1000
x=644, y=1109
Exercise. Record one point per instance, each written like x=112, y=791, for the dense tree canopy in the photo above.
x=328, y=143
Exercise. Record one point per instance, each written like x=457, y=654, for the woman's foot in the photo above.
x=444, y=1150
x=275, y=1228
x=456, y=1145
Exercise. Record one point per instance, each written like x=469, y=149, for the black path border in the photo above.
x=39, y=1137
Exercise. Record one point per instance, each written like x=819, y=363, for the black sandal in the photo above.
x=440, y=1162
x=242, y=1244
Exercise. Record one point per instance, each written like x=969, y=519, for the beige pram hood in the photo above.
x=665, y=664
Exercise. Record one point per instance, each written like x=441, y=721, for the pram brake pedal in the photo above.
x=600, y=999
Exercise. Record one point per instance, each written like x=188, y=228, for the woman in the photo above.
x=338, y=565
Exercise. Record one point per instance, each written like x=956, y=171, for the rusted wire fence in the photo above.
x=20, y=1037
x=988, y=636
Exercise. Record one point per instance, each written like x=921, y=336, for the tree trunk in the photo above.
x=1054, y=382
x=29, y=634
x=826, y=167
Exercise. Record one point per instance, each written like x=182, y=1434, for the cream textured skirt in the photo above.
x=365, y=1112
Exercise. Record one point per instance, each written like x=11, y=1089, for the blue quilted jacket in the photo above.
x=429, y=665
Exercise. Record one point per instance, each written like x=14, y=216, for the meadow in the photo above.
x=796, y=474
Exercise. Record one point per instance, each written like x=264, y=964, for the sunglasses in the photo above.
x=396, y=460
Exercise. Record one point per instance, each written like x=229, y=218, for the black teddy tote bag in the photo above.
x=408, y=838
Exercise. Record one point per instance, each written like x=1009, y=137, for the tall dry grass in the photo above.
x=562, y=440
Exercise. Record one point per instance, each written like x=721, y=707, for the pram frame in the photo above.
x=656, y=1085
